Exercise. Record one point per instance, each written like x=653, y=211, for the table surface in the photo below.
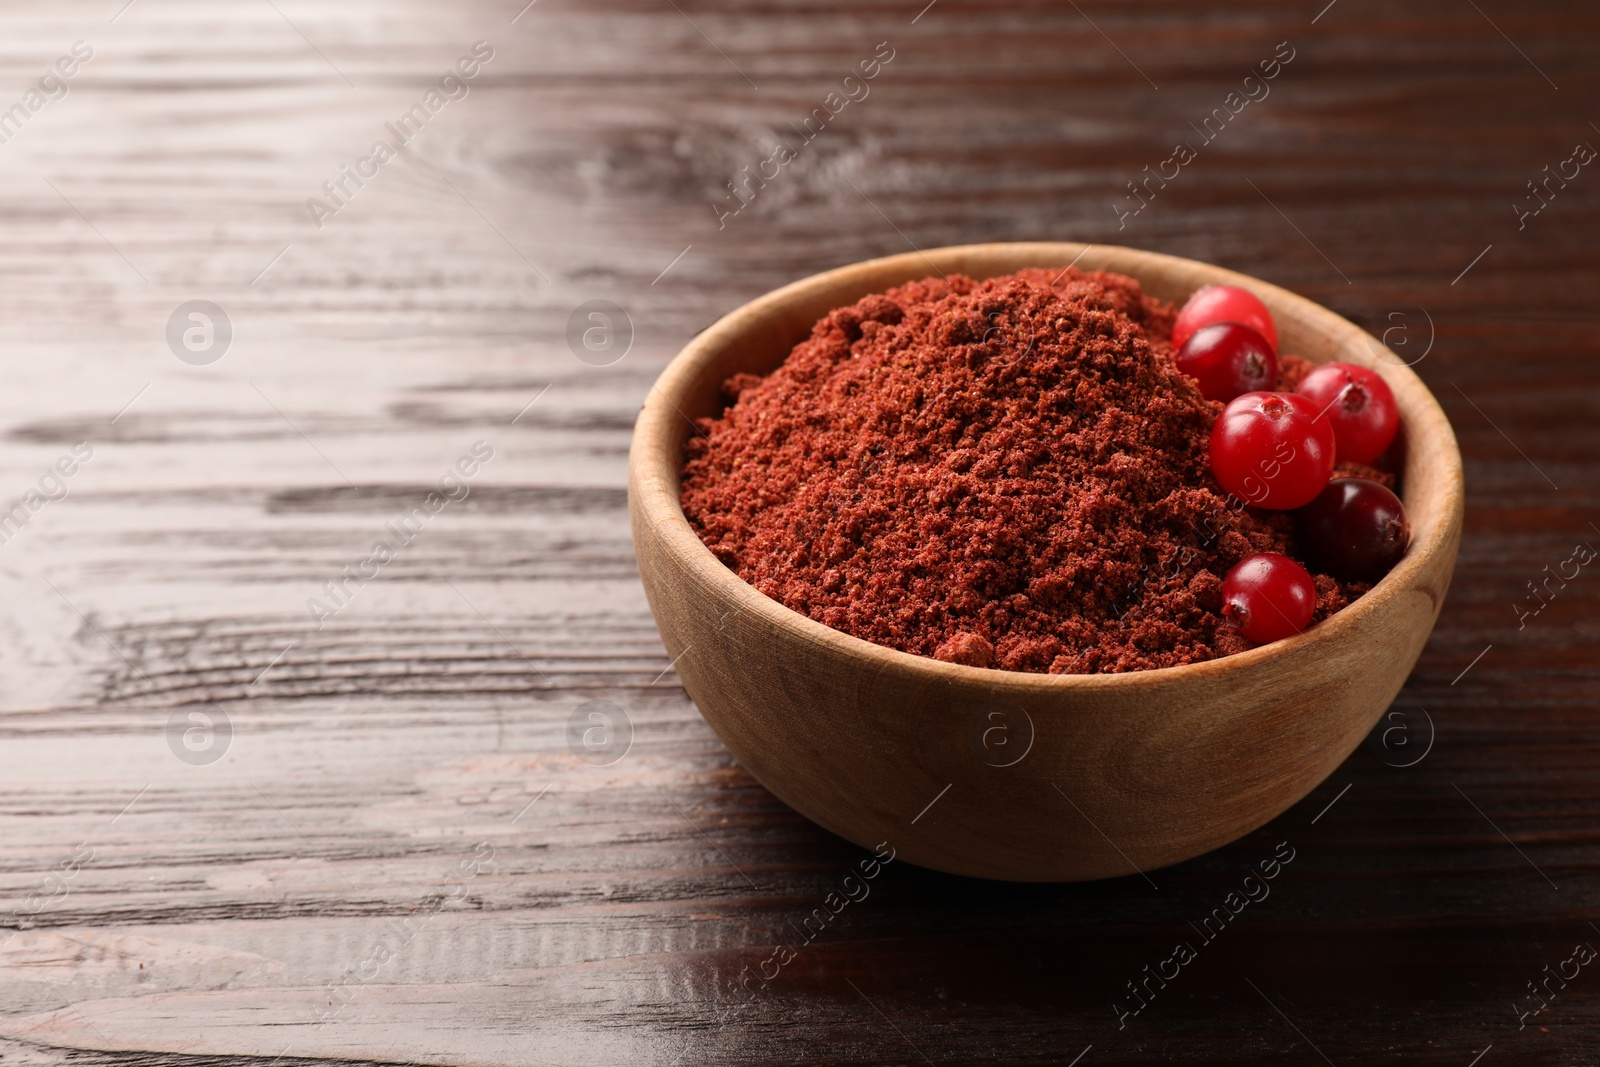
x=234, y=831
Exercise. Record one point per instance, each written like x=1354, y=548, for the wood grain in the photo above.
x=621, y=908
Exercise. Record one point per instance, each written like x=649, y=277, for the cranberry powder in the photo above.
x=1010, y=473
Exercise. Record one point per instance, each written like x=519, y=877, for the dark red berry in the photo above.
x=1355, y=530
x=1224, y=303
x=1228, y=358
x=1360, y=406
x=1268, y=597
x=1271, y=450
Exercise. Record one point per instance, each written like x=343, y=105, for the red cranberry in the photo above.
x=1271, y=450
x=1359, y=405
x=1268, y=597
x=1228, y=358
x=1223, y=303
x=1355, y=530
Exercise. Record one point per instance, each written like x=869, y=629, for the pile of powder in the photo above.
x=1007, y=473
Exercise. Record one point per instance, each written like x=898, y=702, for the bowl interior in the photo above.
x=757, y=338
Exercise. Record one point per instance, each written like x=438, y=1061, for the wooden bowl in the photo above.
x=1001, y=774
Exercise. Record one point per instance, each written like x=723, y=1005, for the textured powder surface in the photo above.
x=1008, y=473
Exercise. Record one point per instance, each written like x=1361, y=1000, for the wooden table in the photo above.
x=235, y=830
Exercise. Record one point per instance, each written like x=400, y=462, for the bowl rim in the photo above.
x=654, y=473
